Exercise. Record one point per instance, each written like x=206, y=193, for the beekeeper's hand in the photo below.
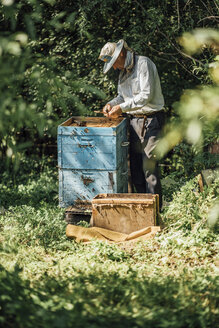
x=115, y=112
x=106, y=109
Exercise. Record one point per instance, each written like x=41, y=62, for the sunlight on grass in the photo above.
x=162, y=282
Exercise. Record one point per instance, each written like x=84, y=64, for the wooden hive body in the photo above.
x=125, y=213
x=92, y=159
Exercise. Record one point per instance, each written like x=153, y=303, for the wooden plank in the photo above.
x=128, y=202
x=200, y=182
x=127, y=196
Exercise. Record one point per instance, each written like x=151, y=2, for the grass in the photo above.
x=47, y=280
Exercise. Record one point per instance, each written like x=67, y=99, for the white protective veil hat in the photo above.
x=109, y=53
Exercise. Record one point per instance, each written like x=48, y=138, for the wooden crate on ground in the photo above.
x=125, y=213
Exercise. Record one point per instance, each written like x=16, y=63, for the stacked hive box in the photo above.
x=92, y=159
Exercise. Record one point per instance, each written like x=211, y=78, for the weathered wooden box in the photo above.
x=125, y=213
x=92, y=158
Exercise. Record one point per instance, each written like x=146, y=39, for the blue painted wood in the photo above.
x=76, y=186
x=91, y=161
x=92, y=151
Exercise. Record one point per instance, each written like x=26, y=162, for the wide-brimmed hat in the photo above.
x=109, y=53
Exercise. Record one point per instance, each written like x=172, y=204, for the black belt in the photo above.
x=144, y=116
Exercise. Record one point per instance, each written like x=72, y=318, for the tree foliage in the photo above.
x=198, y=109
x=49, y=50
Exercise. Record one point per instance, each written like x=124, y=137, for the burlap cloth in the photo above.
x=81, y=234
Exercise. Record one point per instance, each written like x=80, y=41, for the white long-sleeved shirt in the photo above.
x=139, y=89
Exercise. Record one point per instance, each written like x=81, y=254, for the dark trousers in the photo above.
x=143, y=163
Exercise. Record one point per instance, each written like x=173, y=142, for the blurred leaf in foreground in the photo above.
x=198, y=109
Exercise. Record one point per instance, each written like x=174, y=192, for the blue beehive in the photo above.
x=92, y=159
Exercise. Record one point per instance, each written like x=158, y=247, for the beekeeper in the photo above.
x=140, y=97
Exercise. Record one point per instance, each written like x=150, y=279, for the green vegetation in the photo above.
x=49, y=281
x=198, y=109
x=49, y=66
x=48, y=72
